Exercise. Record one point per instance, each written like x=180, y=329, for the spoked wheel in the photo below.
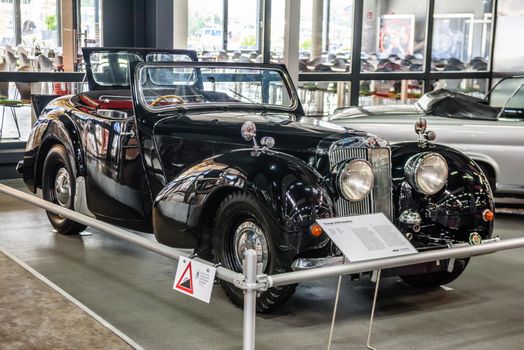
x=241, y=224
x=59, y=187
x=436, y=279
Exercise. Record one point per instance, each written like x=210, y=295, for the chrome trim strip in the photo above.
x=380, y=159
x=313, y=263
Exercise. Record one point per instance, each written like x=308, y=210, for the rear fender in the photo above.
x=51, y=129
x=291, y=191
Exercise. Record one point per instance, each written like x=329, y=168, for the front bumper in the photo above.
x=434, y=266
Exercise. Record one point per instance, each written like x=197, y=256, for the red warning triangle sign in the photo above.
x=185, y=283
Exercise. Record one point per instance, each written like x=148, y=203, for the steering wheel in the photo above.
x=176, y=99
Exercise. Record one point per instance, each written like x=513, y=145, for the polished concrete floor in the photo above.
x=49, y=320
x=132, y=289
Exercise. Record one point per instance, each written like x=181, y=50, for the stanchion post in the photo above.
x=250, y=299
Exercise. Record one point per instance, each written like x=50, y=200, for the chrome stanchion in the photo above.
x=250, y=299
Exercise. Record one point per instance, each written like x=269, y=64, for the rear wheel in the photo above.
x=59, y=187
x=241, y=224
x=436, y=279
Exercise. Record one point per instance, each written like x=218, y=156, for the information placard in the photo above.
x=366, y=237
x=195, y=279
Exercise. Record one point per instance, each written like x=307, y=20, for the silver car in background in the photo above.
x=489, y=130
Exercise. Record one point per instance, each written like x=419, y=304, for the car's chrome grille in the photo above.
x=379, y=200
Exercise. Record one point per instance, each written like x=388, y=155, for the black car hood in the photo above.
x=306, y=138
x=289, y=132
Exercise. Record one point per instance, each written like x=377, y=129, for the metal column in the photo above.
x=250, y=299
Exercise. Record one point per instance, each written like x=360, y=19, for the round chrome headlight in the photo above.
x=427, y=172
x=355, y=180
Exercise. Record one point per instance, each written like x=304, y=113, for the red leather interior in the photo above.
x=106, y=104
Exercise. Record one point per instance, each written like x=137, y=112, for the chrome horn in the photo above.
x=424, y=135
x=249, y=132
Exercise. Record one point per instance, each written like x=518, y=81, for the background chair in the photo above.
x=11, y=60
x=21, y=49
x=4, y=92
x=24, y=60
x=45, y=64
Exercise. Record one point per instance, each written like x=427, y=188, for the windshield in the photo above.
x=515, y=106
x=193, y=85
x=112, y=68
x=503, y=90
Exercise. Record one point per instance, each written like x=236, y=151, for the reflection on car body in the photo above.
x=242, y=168
x=488, y=130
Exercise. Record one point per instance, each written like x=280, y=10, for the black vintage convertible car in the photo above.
x=219, y=157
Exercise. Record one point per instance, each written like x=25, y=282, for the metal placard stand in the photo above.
x=360, y=238
x=372, y=317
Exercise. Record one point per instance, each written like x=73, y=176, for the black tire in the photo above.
x=239, y=209
x=437, y=279
x=57, y=162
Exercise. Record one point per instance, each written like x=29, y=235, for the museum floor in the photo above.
x=131, y=289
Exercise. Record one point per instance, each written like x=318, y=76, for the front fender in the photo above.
x=292, y=192
x=457, y=209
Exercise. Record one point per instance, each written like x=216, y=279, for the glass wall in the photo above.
x=321, y=98
x=7, y=23
x=389, y=92
x=395, y=39
x=225, y=30
x=205, y=25
x=277, y=31
x=509, y=49
x=242, y=26
x=90, y=22
x=472, y=87
x=39, y=24
x=393, y=35
x=461, y=35
x=325, y=35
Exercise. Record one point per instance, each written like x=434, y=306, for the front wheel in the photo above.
x=59, y=187
x=241, y=223
x=436, y=279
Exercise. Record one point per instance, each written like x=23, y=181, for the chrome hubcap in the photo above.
x=249, y=235
x=63, y=187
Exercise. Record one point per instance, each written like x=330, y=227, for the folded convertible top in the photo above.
x=446, y=103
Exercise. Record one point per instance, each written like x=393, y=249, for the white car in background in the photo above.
x=489, y=130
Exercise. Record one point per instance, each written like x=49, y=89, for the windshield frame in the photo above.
x=141, y=52
x=487, y=98
x=501, y=114
x=139, y=68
